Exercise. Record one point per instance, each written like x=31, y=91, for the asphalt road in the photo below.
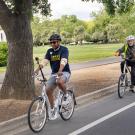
x=107, y=116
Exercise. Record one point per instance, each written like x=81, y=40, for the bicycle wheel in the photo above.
x=122, y=84
x=37, y=114
x=67, y=106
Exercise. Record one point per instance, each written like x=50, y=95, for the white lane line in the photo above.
x=90, y=125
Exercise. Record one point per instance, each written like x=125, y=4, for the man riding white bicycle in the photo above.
x=58, y=58
x=129, y=52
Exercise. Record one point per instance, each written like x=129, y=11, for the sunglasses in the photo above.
x=53, y=42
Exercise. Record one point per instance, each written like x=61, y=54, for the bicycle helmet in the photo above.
x=55, y=37
x=131, y=37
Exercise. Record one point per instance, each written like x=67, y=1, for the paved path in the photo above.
x=80, y=65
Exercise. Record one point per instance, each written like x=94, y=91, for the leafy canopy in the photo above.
x=28, y=6
x=115, y=6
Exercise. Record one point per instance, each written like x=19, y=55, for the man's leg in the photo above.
x=133, y=75
x=51, y=85
x=132, y=64
x=122, y=66
x=50, y=97
x=61, y=82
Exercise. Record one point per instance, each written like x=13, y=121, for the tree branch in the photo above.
x=23, y=7
x=5, y=13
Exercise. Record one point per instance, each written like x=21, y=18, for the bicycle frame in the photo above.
x=44, y=95
x=126, y=68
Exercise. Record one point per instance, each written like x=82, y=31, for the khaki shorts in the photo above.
x=51, y=83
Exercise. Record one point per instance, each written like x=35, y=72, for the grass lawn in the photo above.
x=2, y=69
x=80, y=53
x=83, y=53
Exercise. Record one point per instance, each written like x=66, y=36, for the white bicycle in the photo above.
x=39, y=110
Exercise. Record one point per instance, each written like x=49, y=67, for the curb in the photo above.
x=18, y=124
x=95, y=95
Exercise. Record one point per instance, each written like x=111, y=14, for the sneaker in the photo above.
x=53, y=114
x=122, y=77
x=132, y=88
x=65, y=96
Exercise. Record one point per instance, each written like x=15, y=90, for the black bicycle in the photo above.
x=124, y=82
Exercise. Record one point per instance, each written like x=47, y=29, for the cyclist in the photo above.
x=129, y=52
x=57, y=56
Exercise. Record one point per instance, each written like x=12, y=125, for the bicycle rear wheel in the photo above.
x=67, y=106
x=37, y=114
x=122, y=84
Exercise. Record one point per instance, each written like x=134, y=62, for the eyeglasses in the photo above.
x=53, y=42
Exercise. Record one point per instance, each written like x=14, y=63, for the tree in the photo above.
x=79, y=34
x=108, y=4
x=15, y=20
x=123, y=6
x=113, y=6
x=115, y=32
x=65, y=37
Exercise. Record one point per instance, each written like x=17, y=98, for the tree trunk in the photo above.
x=18, y=82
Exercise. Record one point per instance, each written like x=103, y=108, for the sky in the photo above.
x=73, y=7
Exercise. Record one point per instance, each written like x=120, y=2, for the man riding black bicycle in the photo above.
x=129, y=53
x=58, y=58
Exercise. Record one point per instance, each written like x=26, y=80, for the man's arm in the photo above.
x=62, y=65
x=64, y=60
x=119, y=51
x=122, y=49
x=43, y=63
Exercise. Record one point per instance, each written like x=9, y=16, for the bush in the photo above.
x=3, y=54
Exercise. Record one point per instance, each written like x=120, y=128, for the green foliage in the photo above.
x=109, y=6
x=29, y=7
x=98, y=37
x=70, y=27
x=116, y=6
x=124, y=5
x=79, y=33
x=3, y=54
x=113, y=29
x=103, y=28
x=113, y=32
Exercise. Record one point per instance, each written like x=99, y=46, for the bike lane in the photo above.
x=86, y=115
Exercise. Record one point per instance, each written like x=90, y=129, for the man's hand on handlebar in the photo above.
x=117, y=54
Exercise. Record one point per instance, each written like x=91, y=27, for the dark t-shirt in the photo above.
x=55, y=56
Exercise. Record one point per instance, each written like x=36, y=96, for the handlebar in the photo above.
x=37, y=59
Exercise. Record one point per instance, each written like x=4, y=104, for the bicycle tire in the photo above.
x=64, y=109
x=122, y=85
x=38, y=112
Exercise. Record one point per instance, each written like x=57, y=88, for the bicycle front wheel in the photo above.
x=67, y=106
x=37, y=114
x=122, y=85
